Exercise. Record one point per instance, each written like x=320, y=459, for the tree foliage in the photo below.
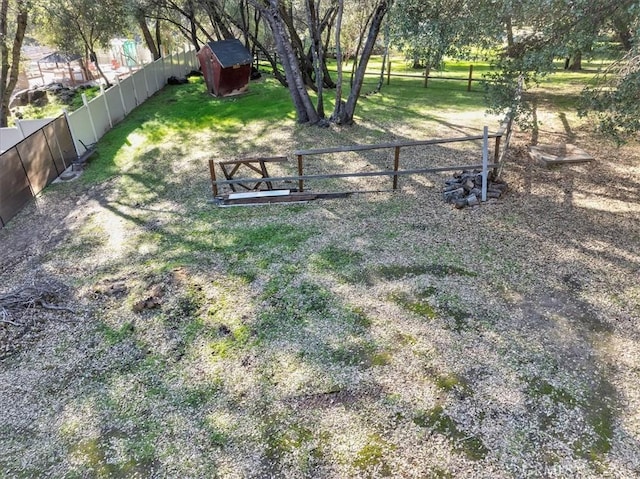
x=13, y=25
x=615, y=99
x=525, y=38
x=81, y=26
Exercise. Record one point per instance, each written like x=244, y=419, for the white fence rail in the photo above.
x=9, y=137
x=90, y=122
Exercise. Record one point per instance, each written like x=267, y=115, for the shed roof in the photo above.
x=58, y=57
x=230, y=52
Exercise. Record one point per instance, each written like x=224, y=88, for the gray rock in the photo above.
x=452, y=186
x=37, y=95
x=472, y=200
x=469, y=184
x=453, y=194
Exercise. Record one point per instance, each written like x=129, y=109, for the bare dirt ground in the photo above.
x=499, y=341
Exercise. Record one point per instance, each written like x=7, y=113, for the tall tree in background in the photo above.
x=14, y=15
x=560, y=30
x=84, y=25
x=345, y=115
x=426, y=30
x=272, y=11
x=288, y=46
x=143, y=11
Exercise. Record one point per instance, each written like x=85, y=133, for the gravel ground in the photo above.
x=383, y=335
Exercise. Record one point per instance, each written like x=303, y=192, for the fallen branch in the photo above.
x=43, y=294
x=6, y=321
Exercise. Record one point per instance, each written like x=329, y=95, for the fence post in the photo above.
x=485, y=161
x=146, y=82
x=389, y=72
x=19, y=125
x=396, y=164
x=156, y=65
x=496, y=153
x=124, y=104
x=60, y=152
x=300, y=181
x=214, y=184
x=169, y=67
x=135, y=90
x=185, y=65
x=71, y=133
x=106, y=106
x=24, y=168
x=164, y=73
x=426, y=75
x=470, y=77
x=93, y=126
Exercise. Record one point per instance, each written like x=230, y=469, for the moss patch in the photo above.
x=437, y=420
x=371, y=457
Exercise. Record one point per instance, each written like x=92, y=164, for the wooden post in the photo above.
x=212, y=170
x=389, y=72
x=71, y=76
x=426, y=75
x=470, y=77
x=300, y=181
x=396, y=164
x=485, y=161
x=496, y=153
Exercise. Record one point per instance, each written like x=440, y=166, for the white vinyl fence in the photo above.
x=9, y=137
x=90, y=122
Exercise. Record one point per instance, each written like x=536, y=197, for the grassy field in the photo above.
x=383, y=335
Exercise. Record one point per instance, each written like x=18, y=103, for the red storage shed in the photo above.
x=226, y=66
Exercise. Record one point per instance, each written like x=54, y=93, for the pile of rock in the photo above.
x=63, y=93
x=38, y=96
x=465, y=189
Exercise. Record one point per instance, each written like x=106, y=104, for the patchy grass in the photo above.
x=440, y=422
x=380, y=335
x=419, y=304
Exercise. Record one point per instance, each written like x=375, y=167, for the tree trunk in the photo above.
x=385, y=58
x=100, y=72
x=148, y=37
x=337, y=114
x=306, y=65
x=328, y=81
x=316, y=52
x=9, y=70
x=217, y=21
x=623, y=30
x=305, y=110
x=158, y=37
x=509, y=28
x=253, y=36
x=193, y=31
x=381, y=10
x=575, y=63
